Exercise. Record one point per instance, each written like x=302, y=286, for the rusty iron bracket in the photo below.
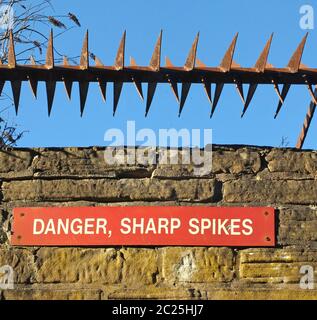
x=193, y=71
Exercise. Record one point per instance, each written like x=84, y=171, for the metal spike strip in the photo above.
x=193, y=71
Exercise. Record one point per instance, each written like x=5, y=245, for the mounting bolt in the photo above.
x=22, y=215
x=268, y=239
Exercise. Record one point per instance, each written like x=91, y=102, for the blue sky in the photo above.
x=217, y=21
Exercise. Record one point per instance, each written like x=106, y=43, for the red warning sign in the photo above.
x=144, y=226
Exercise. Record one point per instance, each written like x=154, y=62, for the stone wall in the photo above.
x=241, y=176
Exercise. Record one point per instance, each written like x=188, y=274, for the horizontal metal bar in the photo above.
x=164, y=75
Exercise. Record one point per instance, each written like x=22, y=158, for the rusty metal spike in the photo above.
x=228, y=58
x=155, y=63
x=235, y=65
x=284, y=93
x=311, y=92
x=174, y=88
x=83, y=92
x=103, y=89
x=50, y=52
x=307, y=122
x=84, y=58
x=185, y=90
x=150, y=94
x=191, y=59
x=262, y=61
x=67, y=83
x=16, y=91
x=50, y=91
x=101, y=84
x=133, y=62
x=98, y=62
x=2, y=83
x=250, y=95
x=278, y=92
x=218, y=91
x=68, y=87
x=33, y=83
x=239, y=88
x=32, y=61
x=200, y=64
x=207, y=87
x=11, y=55
x=119, y=63
x=138, y=86
x=296, y=59
x=117, y=88
x=168, y=62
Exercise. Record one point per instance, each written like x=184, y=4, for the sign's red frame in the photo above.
x=162, y=226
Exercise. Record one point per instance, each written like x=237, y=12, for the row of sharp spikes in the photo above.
x=226, y=66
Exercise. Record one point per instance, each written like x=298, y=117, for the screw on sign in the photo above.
x=194, y=71
x=159, y=226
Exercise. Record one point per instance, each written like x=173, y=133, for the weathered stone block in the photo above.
x=298, y=226
x=140, y=267
x=152, y=292
x=74, y=265
x=22, y=262
x=264, y=294
x=275, y=191
x=51, y=294
x=280, y=160
x=81, y=162
x=275, y=265
x=235, y=162
x=109, y=190
x=15, y=162
x=197, y=265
